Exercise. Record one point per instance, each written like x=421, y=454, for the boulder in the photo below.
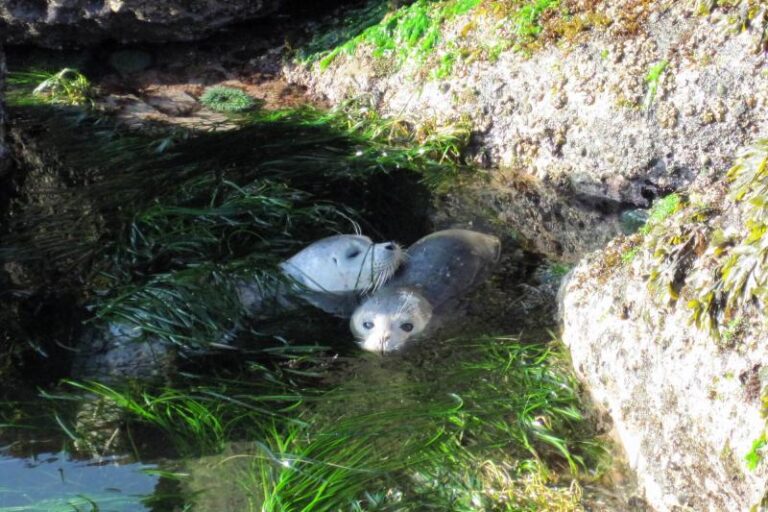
x=57, y=23
x=671, y=342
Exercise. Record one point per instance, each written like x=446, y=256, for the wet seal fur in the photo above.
x=330, y=274
x=439, y=269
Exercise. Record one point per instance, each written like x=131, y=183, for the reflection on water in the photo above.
x=105, y=484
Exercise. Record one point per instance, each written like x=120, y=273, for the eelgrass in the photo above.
x=67, y=86
x=162, y=232
x=464, y=426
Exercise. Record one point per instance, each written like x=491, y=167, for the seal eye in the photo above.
x=354, y=253
x=407, y=327
x=368, y=325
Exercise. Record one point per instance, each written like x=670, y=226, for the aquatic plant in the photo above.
x=404, y=434
x=661, y=209
x=415, y=31
x=67, y=86
x=226, y=99
x=410, y=32
x=740, y=273
x=755, y=455
x=730, y=272
x=676, y=235
x=527, y=18
x=160, y=239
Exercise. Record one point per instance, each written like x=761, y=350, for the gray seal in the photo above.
x=439, y=269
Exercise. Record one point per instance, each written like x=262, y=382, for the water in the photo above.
x=265, y=431
x=57, y=482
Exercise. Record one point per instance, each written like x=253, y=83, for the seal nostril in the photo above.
x=390, y=246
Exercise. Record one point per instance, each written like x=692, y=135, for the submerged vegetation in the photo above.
x=161, y=231
x=484, y=424
x=68, y=86
x=157, y=231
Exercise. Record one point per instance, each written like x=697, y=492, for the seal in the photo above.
x=330, y=274
x=438, y=270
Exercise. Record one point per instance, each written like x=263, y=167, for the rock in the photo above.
x=128, y=62
x=543, y=219
x=612, y=152
x=58, y=23
x=161, y=110
x=5, y=159
x=118, y=351
x=174, y=103
x=687, y=406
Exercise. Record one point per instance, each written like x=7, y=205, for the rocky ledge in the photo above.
x=643, y=98
x=56, y=23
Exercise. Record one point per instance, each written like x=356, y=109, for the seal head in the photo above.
x=387, y=320
x=343, y=263
x=438, y=270
x=330, y=274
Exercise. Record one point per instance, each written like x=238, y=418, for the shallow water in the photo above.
x=56, y=481
x=452, y=398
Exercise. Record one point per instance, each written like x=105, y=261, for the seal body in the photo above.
x=439, y=269
x=330, y=274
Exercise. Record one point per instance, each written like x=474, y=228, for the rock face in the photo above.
x=581, y=118
x=4, y=156
x=687, y=405
x=56, y=23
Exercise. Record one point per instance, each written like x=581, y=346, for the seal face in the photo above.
x=330, y=274
x=387, y=320
x=439, y=269
x=343, y=263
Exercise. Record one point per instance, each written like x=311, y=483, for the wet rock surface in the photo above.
x=541, y=218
